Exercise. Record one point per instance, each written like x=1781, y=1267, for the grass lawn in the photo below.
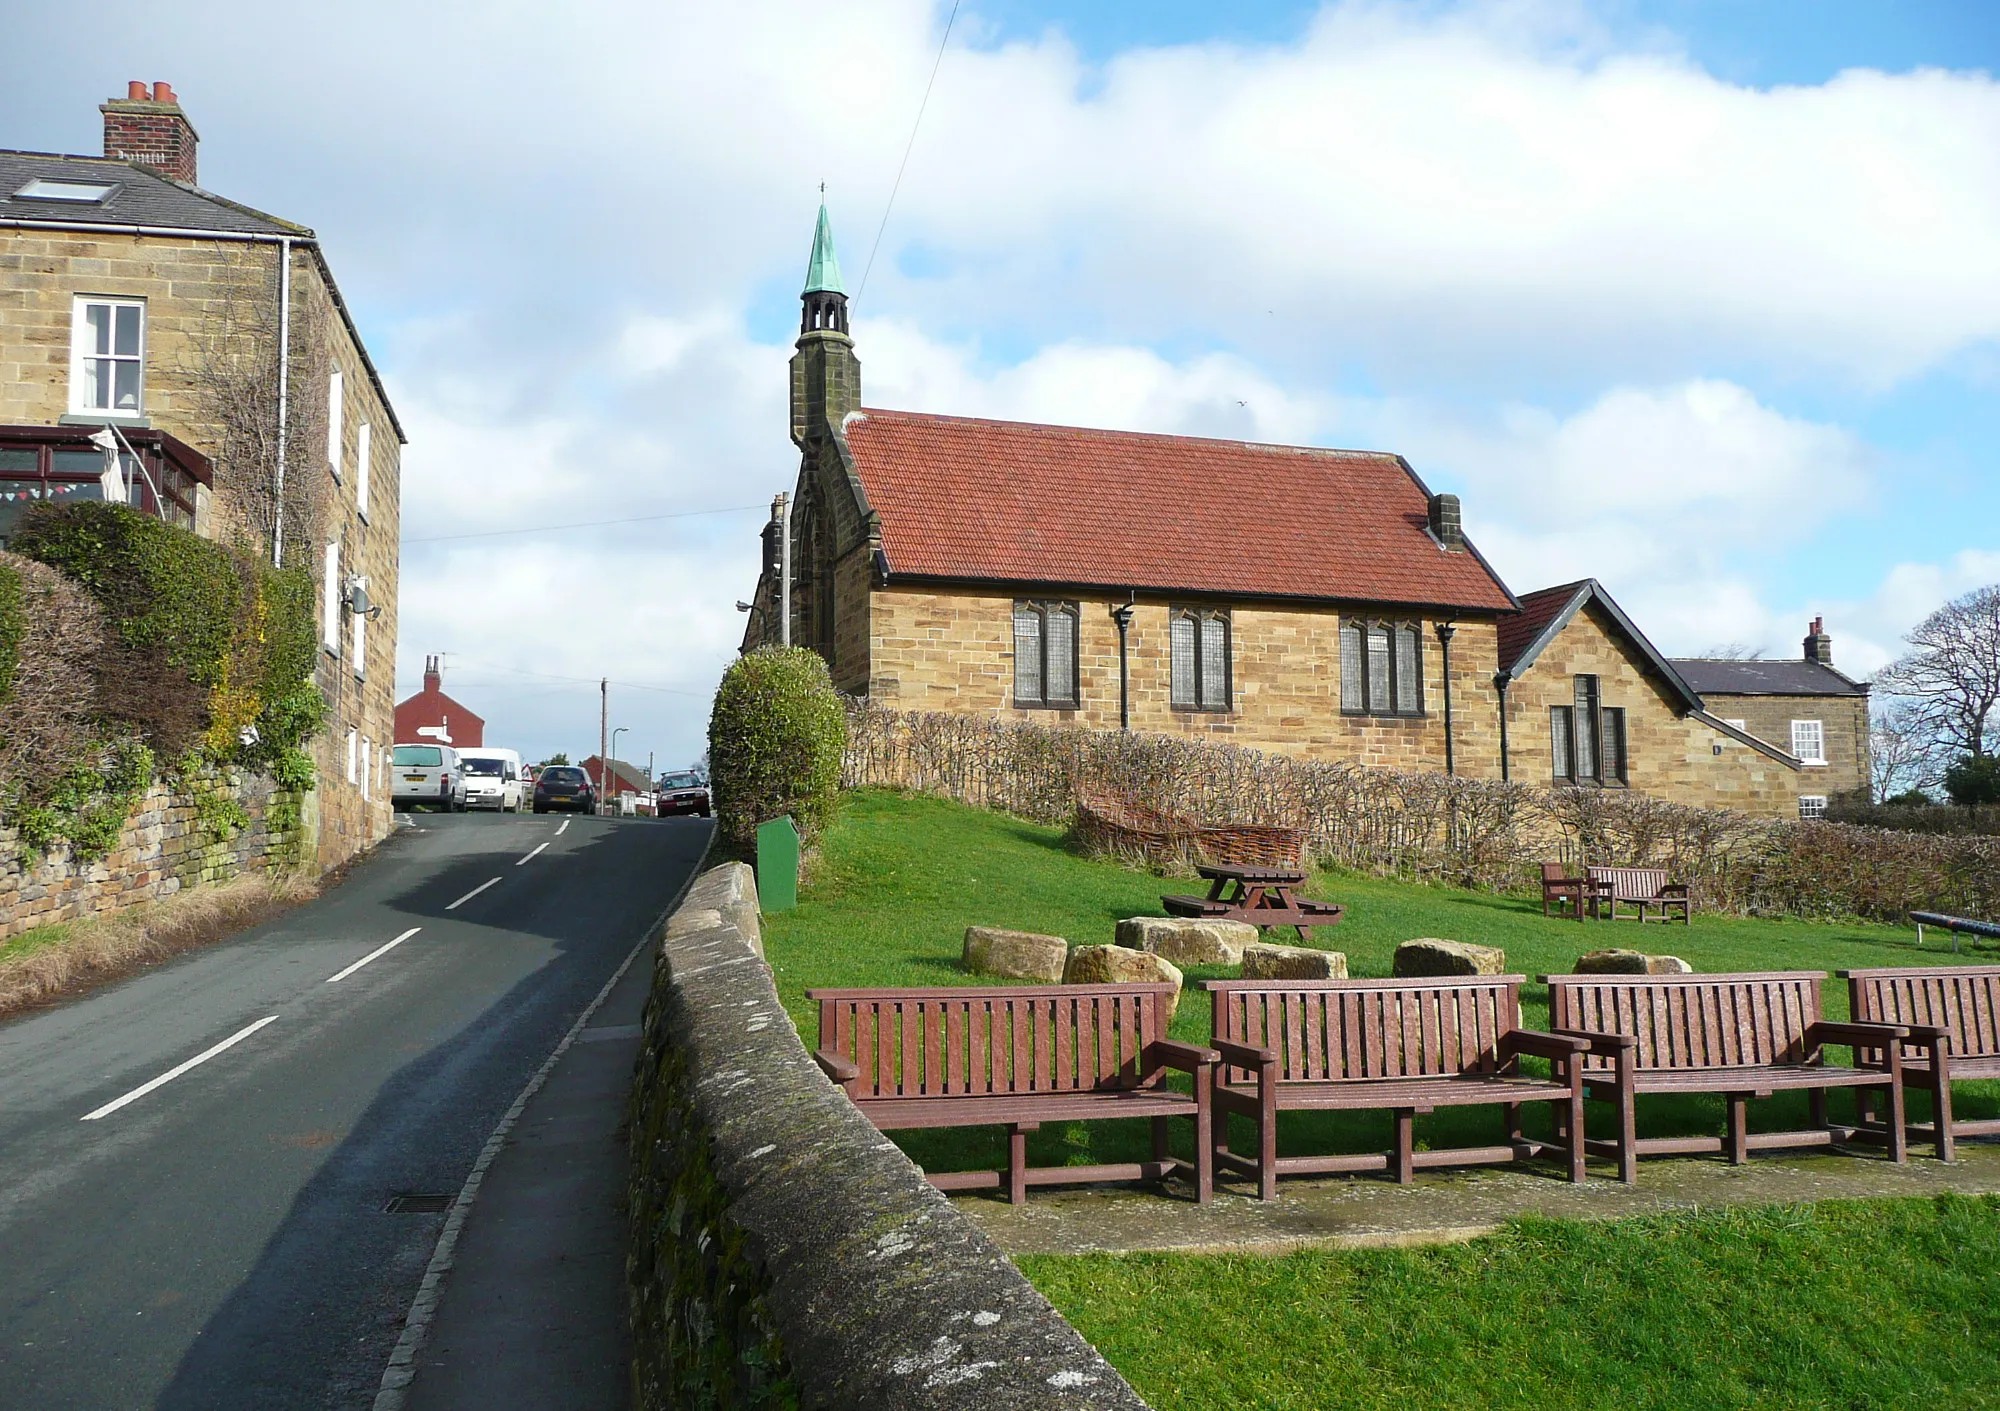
x=1873, y=1304
x=1848, y=1304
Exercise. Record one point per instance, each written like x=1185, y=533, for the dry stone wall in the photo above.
x=783, y=1252
x=177, y=837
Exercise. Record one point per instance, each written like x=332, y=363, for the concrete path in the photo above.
x=202, y=1165
x=1442, y=1206
x=533, y=1314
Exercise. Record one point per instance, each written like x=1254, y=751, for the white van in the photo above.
x=493, y=779
x=427, y=773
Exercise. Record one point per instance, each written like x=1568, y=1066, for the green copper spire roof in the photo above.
x=823, y=269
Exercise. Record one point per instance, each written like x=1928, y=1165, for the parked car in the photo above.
x=682, y=793
x=493, y=779
x=427, y=774
x=564, y=786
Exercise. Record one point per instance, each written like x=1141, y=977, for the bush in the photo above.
x=775, y=741
x=1974, y=780
x=12, y=625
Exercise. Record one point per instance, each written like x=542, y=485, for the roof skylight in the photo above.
x=82, y=192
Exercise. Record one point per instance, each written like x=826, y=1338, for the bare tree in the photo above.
x=1903, y=753
x=229, y=374
x=1952, y=678
x=1733, y=651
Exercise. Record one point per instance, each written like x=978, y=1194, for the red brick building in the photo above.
x=432, y=715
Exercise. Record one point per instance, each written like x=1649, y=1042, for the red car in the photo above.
x=683, y=793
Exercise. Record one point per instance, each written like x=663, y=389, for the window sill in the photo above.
x=1047, y=705
x=135, y=421
x=1202, y=710
x=1383, y=715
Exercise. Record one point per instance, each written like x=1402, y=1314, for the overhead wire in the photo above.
x=582, y=524
x=908, y=147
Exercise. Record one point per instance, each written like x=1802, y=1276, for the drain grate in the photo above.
x=418, y=1203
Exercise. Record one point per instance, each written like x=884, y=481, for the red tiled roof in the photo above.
x=1002, y=501
x=1538, y=610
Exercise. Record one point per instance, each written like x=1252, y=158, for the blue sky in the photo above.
x=1694, y=296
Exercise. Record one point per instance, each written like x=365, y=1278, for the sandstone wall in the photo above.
x=172, y=840
x=1844, y=719
x=783, y=1252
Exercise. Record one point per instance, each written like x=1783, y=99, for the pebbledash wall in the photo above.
x=173, y=839
x=785, y=1253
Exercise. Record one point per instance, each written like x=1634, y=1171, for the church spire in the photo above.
x=824, y=297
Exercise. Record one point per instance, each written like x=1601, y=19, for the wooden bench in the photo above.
x=1262, y=896
x=1638, y=886
x=1018, y=1056
x=1402, y=1046
x=1952, y=1013
x=1562, y=890
x=1744, y=1036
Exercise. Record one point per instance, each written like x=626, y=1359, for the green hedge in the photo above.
x=11, y=625
x=775, y=741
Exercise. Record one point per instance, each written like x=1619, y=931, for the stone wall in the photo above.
x=172, y=840
x=785, y=1253
x=1844, y=720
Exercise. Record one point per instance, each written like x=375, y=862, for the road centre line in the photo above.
x=172, y=1073
x=530, y=857
x=565, y=826
x=471, y=894
x=375, y=954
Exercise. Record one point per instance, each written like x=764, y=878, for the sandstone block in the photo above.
x=1630, y=962
x=1018, y=955
x=1121, y=965
x=1263, y=961
x=1186, y=941
x=1431, y=956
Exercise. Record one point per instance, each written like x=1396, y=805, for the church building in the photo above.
x=1321, y=603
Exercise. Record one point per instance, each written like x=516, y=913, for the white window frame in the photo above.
x=1811, y=806
x=1817, y=731
x=367, y=772
x=336, y=407
x=362, y=448
x=80, y=352
x=1742, y=725
x=329, y=628
x=360, y=636
x=353, y=740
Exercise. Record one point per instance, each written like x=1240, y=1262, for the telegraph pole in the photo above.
x=603, y=737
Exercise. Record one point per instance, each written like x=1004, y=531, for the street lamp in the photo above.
x=610, y=786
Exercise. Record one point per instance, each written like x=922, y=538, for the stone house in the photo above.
x=1807, y=706
x=214, y=341
x=1314, y=602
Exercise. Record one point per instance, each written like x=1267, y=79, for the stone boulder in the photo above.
x=1430, y=956
x=1018, y=955
x=1263, y=961
x=1121, y=965
x=1630, y=962
x=1186, y=941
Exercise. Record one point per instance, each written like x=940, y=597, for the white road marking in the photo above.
x=471, y=894
x=565, y=826
x=530, y=857
x=375, y=954
x=172, y=1073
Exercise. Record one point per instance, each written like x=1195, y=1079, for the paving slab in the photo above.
x=1445, y=1206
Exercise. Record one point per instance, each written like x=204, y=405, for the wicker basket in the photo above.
x=1126, y=828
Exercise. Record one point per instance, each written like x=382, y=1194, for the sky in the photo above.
x=1696, y=297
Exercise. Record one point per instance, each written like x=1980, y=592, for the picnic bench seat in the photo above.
x=1642, y=887
x=1402, y=1046
x=1744, y=1036
x=1952, y=1013
x=1018, y=1056
x=1262, y=896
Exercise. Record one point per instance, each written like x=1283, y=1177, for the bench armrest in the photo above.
x=1243, y=1055
x=1552, y=1046
x=1832, y=1031
x=842, y=1070
x=1603, y=1045
x=1189, y=1058
x=1674, y=889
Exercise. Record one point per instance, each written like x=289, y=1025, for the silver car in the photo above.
x=428, y=774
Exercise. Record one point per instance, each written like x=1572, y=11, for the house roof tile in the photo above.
x=1757, y=677
x=1013, y=502
x=142, y=197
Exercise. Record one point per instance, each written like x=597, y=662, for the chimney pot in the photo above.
x=135, y=92
x=163, y=92
x=143, y=134
x=1819, y=646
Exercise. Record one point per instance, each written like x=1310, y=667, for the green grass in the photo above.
x=1847, y=1304
x=29, y=941
x=900, y=877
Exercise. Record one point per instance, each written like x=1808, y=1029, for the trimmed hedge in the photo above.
x=775, y=740
x=12, y=623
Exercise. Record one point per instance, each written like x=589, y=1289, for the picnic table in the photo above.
x=1262, y=896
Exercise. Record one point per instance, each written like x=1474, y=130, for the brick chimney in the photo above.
x=148, y=126
x=1444, y=520
x=432, y=677
x=1819, y=646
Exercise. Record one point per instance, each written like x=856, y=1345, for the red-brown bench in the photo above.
x=1952, y=1013
x=1642, y=887
x=1402, y=1046
x=1744, y=1036
x=1018, y=1056
x=1560, y=890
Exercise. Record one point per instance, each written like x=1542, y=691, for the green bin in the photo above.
x=777, y=865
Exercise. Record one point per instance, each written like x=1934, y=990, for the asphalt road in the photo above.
x=221, y=1240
